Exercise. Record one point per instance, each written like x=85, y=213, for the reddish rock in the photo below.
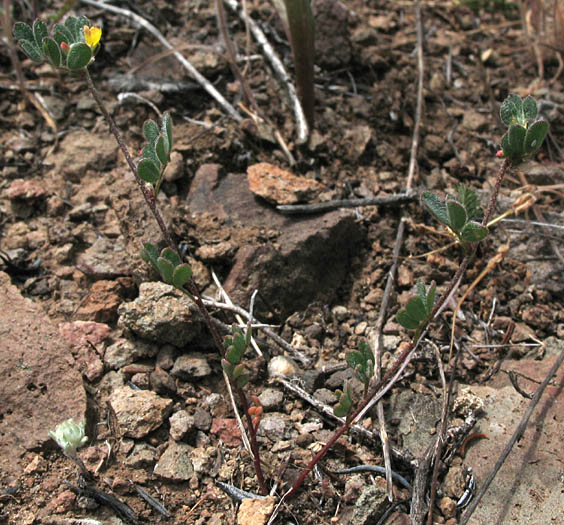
x=40, y=388
x=85, y=337
x=102, y=302
x=27, y=189
x=281, y=187
x=227, y=430
x=63, y=502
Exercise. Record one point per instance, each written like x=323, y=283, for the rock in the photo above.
x=227, y=431
x=125, y=351
x=101, y=303
x=40, y=385
x=371, y=504
x=325, y=396
x=162, y=382
x=175, y=463
x=82, y=150
x=271, y=399
x=255, y=511
x=181, y=425
x=273, y=425
x=202, y=459
x=107, y=258
x=175, y=168
x=202, y=419
x=214, y=253
x=161, y=314
x=139, y=412
x=36, y=465
x=417, y=414
x=317, y=248
x=278, y=186
x=85, y=338
x=340, y=313
x=355, y=141
x=354, y=485
x=142, y=456
x=165, y=357
x=190, y=367
x=280, y=365
x=474, y=121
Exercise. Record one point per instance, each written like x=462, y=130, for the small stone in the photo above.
x=227, y=430
x=281, y=187
x=181, y=425
x=165, y=357
x=325, y=396
x=139, y=412
x=255, y=511
x=271, y=399
x=126, y=351
x=162, y=382
x=448, y=507
x=340, y=312
x=36, y=465
x=214, y=253
x=353, y=488
x=61, y=504
x=360, y=328
x=26, y=189
x=191, y=367
x=202, y=419
x=175, y=463
x=374, y=296
x=161, y=314
x=202, y=460
x=282, y=366
x=102, y=302
x=371, y=504
x=273, y=426
x=142, y=456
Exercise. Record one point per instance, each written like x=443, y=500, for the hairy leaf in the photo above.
x=529, y=108
x=181, y=275
x=535, y=136
x=166, y=269
x=150, y=131
x=170, y=255
x=23, y=32
x=148, y=171
x=436, y=206
x=511, y=110
x=39, y=32
x=79, y=56
x=52, y=51
x=456, y=215
x=473, y=232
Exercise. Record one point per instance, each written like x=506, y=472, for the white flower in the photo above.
x=69, y=435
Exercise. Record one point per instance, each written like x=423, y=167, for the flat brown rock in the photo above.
x=40, y=386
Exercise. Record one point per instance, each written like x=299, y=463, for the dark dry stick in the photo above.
x=516, y=435
x=323, y=207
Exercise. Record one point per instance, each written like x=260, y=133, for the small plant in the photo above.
x=168, y=264
x=458, y=213
x=418, y=310
x=156, y=153
x=235, y=346
x=72, y=46
x=526, y=132
x=69, y=436
x=362, y=362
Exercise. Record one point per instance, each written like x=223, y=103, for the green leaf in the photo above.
x=162, y=149
x=170, y=255
x=529, y=108
x=31, y=50
x=150, y=131
x=148, y=171
x=239, y=342
x=511, y=111
x=166, y=269
x=79, y=56
x=39, y=32
x=71, y=25
x=52, y=51
x=437, y=208
x=242, y=380
x=535, y=136
x=150, y=253
x=512, y=143
x=150, y=153
x=421, y=290
x=473, y=232
x=227, y=368
x=22, y=32
x=181, y=275
x=416, y=309
x=344, y=404
x=470, y=200
x=406, y=320
x=166, y=129
x=456, y=215
x=62, y=33
x=81, y=21
x=233, y=355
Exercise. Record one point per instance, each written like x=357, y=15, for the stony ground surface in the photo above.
x=88, y=332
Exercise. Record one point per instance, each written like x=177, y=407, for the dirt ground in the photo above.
x=88, y=333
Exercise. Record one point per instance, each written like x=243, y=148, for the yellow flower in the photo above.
x=92, y=35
